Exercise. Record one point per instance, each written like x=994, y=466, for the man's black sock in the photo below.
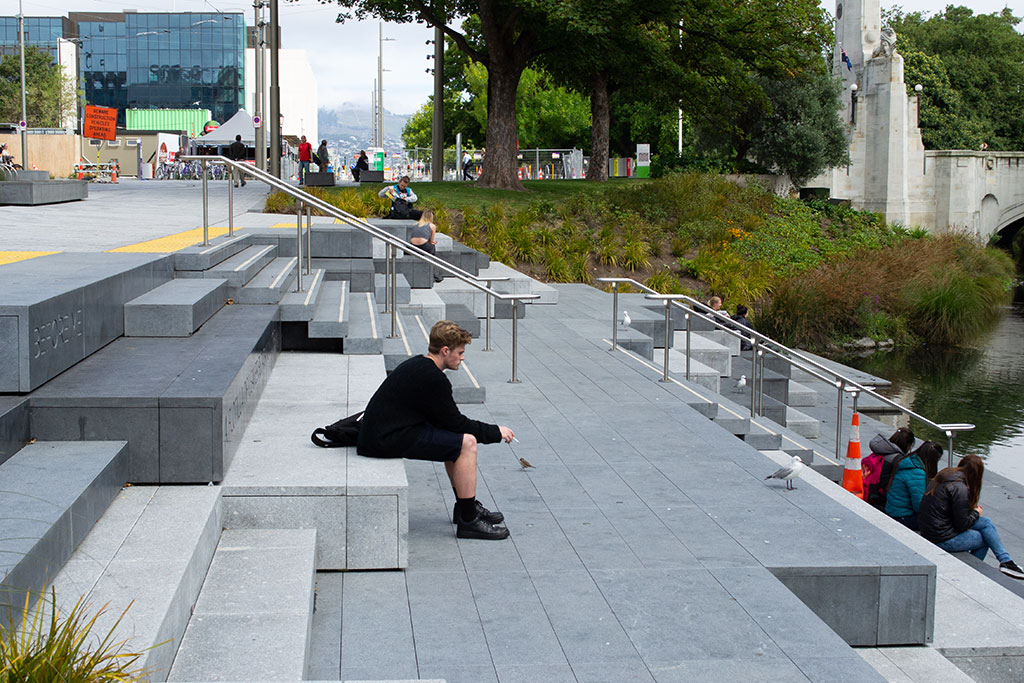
x=465, y=508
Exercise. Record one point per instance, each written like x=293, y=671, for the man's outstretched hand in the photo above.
x=506, y=434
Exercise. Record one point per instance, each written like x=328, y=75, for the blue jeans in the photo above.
x=978, y=539
x=303, y=170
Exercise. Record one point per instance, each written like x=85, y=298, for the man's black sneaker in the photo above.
x=482, y=529
x=481, y=511
x=1011, y=569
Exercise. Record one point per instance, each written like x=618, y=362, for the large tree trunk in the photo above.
x=499, y=168
x=600, y=115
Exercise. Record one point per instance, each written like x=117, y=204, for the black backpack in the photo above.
x=344, y=432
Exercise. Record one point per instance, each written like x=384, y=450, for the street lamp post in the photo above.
x=24, y=108
x=274, y=119
x=257, y=103
x=380, y=86
x=437, y=137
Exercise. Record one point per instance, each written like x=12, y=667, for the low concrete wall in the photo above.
x=54, y=153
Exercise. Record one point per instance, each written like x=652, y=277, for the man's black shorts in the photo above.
x=437, y=445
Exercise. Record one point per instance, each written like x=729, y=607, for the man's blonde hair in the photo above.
x=446, y=333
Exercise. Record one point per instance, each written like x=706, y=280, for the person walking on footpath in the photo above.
x=467, y=166
x=237, y=153
x=950, y=515
x=413, y=415
x=305, y=156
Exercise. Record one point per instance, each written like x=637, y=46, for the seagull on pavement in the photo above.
x=626, y=320
x=742, y=383
x=789, y=472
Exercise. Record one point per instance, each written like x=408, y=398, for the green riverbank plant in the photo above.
x=50, y=645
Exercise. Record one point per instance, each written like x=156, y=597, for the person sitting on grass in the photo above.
x=950, y=515
x=402, y=198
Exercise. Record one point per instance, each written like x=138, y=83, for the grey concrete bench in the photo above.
x=174, y=309
x=279, y=479
x=14, y=425
x=181, y=403
x=58, y=309
x=36, y=192
x=53, y=493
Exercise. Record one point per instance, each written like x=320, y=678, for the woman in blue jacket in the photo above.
x=910, y=477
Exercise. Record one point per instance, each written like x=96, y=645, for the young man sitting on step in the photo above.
x=413, y=415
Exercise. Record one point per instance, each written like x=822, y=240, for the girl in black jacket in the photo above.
x=950, y=515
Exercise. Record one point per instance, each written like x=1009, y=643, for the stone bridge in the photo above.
x=890, y=171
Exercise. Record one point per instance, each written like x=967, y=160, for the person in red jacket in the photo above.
x=305, y=156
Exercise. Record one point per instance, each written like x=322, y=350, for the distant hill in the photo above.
x=351, y=127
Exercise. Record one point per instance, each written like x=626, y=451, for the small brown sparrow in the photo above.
x=525, y=463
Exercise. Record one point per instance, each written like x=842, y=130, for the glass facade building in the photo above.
x=142, y=60
x=42, y=32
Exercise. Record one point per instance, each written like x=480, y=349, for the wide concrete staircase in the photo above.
x=165, y=373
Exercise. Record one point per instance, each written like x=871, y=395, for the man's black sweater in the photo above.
x=416, y=393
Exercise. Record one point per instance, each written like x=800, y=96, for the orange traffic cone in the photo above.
x=853, y=477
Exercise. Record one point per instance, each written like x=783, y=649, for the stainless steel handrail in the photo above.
x=761, y=344
x=387, y=238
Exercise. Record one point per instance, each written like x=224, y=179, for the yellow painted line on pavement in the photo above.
x=170, y=243
x=15, y=256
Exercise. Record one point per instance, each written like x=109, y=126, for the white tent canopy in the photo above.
x=239, y=124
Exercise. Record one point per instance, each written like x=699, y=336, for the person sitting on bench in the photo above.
x=413, y=415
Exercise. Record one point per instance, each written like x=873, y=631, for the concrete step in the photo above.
x=244, y=265
x=200, y=258
x=773, y=409
x=301, y=306
x=14, y=425
x=52, y=494
x=704, y=375
x=254, y=613
x=332, y=310
x=147, y=554
x=270, y=284
x=181, y=403
x=413, y=339
x=174, y=309
x=280, y=480
x=357, y=272
x=706, y=351
x=426, y=304
x=518, y=283
x=340, y=241
x=647, y=322
x=722, y=338
x=365, y=331
x=464, y=317
x=401, y=287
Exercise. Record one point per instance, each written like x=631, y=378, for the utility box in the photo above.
x=376, y=158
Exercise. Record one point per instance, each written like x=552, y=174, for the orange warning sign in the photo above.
x=99, y=123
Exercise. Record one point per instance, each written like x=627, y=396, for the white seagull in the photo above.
x=789, y=472
x=742, y=383
x=626, y=320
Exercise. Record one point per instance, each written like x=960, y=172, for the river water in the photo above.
x=983, y=385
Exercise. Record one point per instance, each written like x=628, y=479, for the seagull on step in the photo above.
x=789, y=472
x=626, y=320
x=742, y=383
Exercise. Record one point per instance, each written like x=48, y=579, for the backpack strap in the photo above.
x=315, y=438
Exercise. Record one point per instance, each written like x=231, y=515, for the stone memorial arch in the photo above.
x=890, y=171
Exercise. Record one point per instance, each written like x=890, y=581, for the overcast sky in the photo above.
x=344, y=56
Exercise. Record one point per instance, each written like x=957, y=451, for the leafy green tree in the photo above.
x=511, y=34
x=49, y=92
x=972, y=70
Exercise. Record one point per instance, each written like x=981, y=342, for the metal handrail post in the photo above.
x=394, y=292
x=487, y=338
x=298, y=246
x=949, y=440
x=515, y=342
x=753, y=379
x=668, y=324
x=615, y=315
x=760, y=382
x=231, y=207
x=309, y=239
x=840, y=386
x=686, y=316
x=206, y=207
x=387, y=277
